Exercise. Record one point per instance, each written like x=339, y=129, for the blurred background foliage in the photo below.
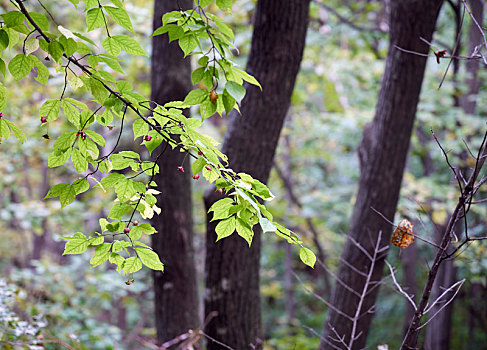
x=54, y=300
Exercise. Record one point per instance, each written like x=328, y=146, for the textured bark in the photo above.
x=232, y=268
x=176, y=303
x=381, y=174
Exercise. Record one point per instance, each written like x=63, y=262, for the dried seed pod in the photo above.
x=403, y=234
x=439, y=54
x=213, y=96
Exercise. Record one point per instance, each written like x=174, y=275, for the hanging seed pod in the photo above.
x=403, y=234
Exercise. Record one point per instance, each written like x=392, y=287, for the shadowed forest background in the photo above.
x=329, y=118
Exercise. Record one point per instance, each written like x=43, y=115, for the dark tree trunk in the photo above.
x=386, y=145
x=232, y=268
x=176, y=301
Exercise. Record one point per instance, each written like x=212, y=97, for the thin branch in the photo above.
x=399, y=286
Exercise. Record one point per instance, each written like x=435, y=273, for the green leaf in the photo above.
x=97, y=240
x=96, y=137
x=154, y=142
x=58, y=157
x=307, y=256
x=244, y=230
x=56, y=190
x=129, y=45
x=225, y=202
x=198, y=165
x=3, y=96
x=224, y=4
x=197, y=75
x=40, y=20
x=112, y=180
x=56, y=50
x=19, y=66
x=188, y=43
x=101, y=254
x=225, y=228
x=3, y=68
x=95, y=18
x=19, y=134
x=76, y=246
x=106, y=118
x=247, y=77
x=131, y=265
x=72, y=113
x=119, y=210
x=79, y=161
x=3, y=40
x=150, y=258
x=140, y=128
x=196, y=96
x=64, y=141
x=120, y=16
x=50, y=109
x=226, y=30
x=111, y=46
x=4, y=130
x=13, y=18
x=235, y=90
x=228, y=101
x=42, y=71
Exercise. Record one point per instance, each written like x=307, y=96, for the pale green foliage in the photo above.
x=220, y=89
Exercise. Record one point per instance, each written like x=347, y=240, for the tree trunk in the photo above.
x=232, y=268
x=382, y=165
x=176, y=300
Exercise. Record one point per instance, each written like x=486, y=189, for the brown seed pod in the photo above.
x=403, y=234
x=213, y=96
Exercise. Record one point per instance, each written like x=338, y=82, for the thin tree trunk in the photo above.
x=382, y=165
x=176, y=299
x=232, y=268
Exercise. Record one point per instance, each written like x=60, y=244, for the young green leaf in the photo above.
x=19, y=66
x=150, y=259
x=307, y=256
x=225, y=228
x=129, y=45
x=131, y=265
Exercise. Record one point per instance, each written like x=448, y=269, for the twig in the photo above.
x=399, y=287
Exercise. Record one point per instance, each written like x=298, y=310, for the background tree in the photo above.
x=176, y=294
x=383, y=155
x=232, y=268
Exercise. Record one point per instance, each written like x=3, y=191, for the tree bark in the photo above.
x=382, y=170
x=232, y=268
x=176, y=300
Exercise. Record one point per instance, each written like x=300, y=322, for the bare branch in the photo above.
x=399, y=286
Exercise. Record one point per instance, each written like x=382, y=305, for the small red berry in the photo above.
x=208, y=168
x=181, y=169
x=147, y=138
x=1, y=114
x=126, y=230
x=220, y=191
x=136, y=222
x=196, y=177
x=200, y=153
x=43, y=119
